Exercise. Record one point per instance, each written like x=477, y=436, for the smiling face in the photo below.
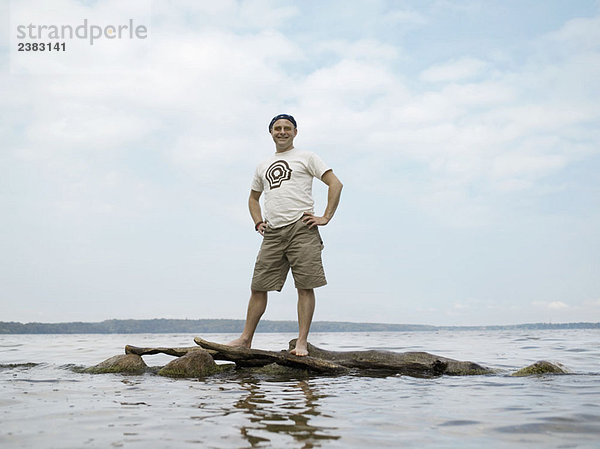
x=283, y=133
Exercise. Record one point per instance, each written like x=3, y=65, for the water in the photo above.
x=49, y=405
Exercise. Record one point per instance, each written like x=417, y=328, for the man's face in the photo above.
x=283, y=133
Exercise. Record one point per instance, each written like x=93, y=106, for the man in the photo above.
x=289, y=228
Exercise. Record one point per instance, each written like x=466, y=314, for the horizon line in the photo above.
x=546, y=323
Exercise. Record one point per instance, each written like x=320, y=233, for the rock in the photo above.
x=541, y=367
x=279, y=371
x=125, y=364
x=198, y=363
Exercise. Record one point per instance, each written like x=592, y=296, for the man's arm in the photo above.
x=333, y=199
x=255, y=211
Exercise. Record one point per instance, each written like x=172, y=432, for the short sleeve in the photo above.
x=316, y=166
x=257, y=182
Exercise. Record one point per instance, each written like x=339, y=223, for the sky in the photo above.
x=466, y=134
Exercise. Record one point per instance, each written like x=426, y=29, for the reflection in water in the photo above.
x=287, y=414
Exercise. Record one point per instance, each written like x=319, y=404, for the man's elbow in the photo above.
x=332, y=181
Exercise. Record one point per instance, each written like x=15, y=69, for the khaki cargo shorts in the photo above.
x=294, y=246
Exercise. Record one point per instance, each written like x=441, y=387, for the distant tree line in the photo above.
x=164, y=326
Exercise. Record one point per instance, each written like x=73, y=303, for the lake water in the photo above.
x=48, y=405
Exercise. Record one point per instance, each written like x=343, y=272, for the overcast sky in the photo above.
x=466, y=133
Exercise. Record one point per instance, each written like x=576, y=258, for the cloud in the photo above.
x=406, y=17
x=456, y=70
x=347, y=83
x=518, y=164
x=363, y=49
x=579, y=35
x=237, y=16
x=552, y=305
x=557, y=305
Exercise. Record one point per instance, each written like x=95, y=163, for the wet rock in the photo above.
x=125, y=364
x=541, y=367
x=276, y=370
x=198, y=363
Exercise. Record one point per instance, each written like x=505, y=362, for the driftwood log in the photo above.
x=408, y=363
x=258, y=357
x=177, y=352
x=416, y=364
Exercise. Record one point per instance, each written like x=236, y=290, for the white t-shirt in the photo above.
x=286, y=179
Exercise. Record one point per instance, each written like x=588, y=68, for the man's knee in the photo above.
x=258, y=293
x=306, y=292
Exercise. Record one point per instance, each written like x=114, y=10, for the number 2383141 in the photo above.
x=41, y=46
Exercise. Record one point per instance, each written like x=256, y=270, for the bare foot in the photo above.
x=239, y=342
x=300, y=350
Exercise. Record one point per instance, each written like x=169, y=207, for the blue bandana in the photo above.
x=282, y=116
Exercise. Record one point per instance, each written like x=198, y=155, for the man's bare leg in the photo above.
x=256, y=307
x=306, y=309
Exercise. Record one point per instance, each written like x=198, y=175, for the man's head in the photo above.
x=283, y=131
x=287, y=117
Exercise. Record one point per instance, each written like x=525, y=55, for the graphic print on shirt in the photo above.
x=278, y=172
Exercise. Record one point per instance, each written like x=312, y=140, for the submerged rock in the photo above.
x=276, y=370
x=198, y=363
x=541, y=367
x=125, y=364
